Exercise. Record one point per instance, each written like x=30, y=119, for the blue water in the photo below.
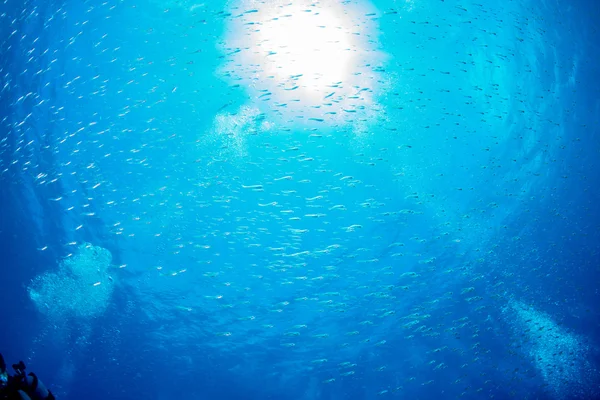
x=301, y=200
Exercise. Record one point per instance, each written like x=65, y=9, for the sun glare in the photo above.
x=310, y=43
x=304, y=60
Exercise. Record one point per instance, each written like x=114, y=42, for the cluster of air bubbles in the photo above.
x=560, y=356
x=81, y=287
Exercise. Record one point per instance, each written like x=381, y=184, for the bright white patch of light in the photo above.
x=304, y=42
x=305, y=62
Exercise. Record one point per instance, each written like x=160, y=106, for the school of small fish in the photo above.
x=345, y=187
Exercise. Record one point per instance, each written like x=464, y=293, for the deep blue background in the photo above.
x=529, y=230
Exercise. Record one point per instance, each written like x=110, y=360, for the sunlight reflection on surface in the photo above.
x=312, y=44
x=301, y=60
